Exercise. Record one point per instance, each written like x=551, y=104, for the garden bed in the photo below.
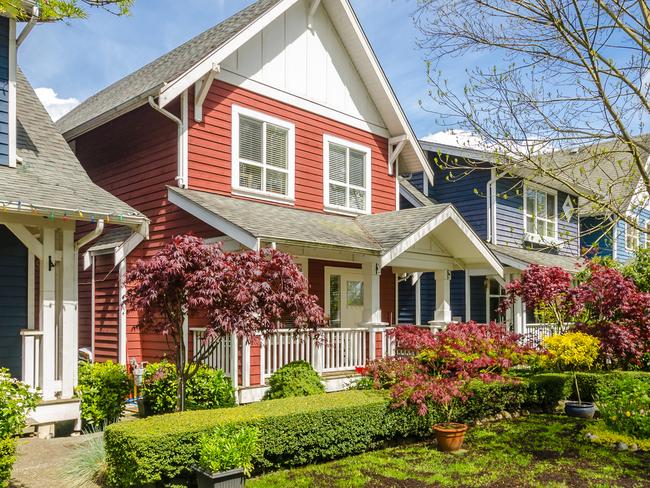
x=540, y=450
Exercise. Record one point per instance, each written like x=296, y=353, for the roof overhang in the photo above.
x=342, y=15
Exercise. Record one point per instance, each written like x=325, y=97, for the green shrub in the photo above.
x=294, y=379
x=625, y=407
x=208, y=388
x=228, y=447
x=103, y=388
x=7, y=458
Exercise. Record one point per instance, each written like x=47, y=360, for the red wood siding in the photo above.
x=210, y=147
x=387, y=295
x=106, y=308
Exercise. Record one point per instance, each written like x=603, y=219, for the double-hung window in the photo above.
x=631, y=236
x=347, y=176
x=540, y=214
x=263, y=151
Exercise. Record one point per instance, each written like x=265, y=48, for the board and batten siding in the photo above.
x=4, y=90
x=310, y=64
x=466, y=193
x=510, y=218
x=13, y=300
x=210, y=144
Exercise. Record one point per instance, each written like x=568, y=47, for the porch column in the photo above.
x=68, y=352
x=443, y=296
x=371, y=294
x=48, y=313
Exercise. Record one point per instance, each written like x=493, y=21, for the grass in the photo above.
x=538, y=451
x=87, y=464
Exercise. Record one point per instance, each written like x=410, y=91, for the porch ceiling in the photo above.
x=425, y=238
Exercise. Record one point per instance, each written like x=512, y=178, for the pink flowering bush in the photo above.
x=412, y=338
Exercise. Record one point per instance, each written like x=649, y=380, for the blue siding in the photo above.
x=458, y=294
x=13, y=299
x=623, y=254
x=427, y=297
x=405, y=302
x=466, y=193
x=4, y=90
x=594, y=236
x=510, y=218
x=477, y=302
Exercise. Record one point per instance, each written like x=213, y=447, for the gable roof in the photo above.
x=415, y=196
x=48, y=176
x=168, y=76
x=520, y=258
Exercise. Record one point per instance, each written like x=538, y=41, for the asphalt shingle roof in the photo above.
x=529, y=256
x=164, y=69
x=376, y=233
x=49, y=175
x=111, y=238
x=415, y=193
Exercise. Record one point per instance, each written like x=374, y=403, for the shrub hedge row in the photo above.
x=7, y=458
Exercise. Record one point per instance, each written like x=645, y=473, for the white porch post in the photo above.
x=443, y=296
x=68, y=351
x=48, y=314
x=371, y=294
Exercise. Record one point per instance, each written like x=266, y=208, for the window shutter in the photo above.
x=277, y=146
x=250, y=139
x=337, y=156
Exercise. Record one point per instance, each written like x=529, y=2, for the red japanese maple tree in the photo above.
x=240, y=293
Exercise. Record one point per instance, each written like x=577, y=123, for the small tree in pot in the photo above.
x=573, y=351
x=226, y=456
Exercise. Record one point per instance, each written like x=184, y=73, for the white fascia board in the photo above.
x=231, y=230
x=186, y=80
x=409, y=197
x=385, y=85
x=122, y=251
x=449, y=213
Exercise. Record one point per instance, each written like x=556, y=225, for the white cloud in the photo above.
x=459, y=138
x=56, y=107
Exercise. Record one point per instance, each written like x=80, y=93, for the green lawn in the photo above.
x=540, y=450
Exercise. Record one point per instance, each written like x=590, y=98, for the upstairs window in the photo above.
x=631, y=236
x=263, y=155
x=347, y=176
x=540, y=214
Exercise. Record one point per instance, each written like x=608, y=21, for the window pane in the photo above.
x=337, y=163
x=541, y=227
x=550, y=228
x=495, y=287
x=250, y=139
x=541, y=204
x=337, y=195
x=335, y=301
x=276, y=182
x=277, y=146
x=530, y=225
x=355, y=293
x=530, y=203
x=357, y=168
x=250, y=176
x=550, y=207
x=357, y=199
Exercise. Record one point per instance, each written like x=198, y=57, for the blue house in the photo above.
x=522, y=222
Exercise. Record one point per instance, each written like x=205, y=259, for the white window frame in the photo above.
x=628, y=228
x=534, y=236
x=289, y=198
x=327, y=140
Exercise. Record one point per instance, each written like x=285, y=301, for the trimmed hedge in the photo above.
x=295, y=379
x=7, y=458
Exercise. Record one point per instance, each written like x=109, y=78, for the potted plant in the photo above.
x=447, y=393
x=226, y=456
x=573, y=351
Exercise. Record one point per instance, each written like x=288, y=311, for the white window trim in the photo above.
x=237, y=111
x=327, y=139
x=534, y=236
x=638, y=234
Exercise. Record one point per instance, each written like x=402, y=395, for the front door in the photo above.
x=344, y=296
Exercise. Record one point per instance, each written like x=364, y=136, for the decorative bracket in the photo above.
x=201, y=89
x=395, y=146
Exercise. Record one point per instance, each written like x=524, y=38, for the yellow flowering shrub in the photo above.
x=571, y=351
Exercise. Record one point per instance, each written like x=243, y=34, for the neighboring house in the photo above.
x=44, y=196
x=275, y=128
x=521, y=222
x=615, y=176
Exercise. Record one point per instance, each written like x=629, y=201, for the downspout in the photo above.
x=491, y=199
x=180, y=180
x=91, y=236
x=36, y=11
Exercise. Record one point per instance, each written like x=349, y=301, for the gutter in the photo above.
x=181, y=180
x=36, y=11
x=91, y=236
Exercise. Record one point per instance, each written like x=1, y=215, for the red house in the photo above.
x=277, y=128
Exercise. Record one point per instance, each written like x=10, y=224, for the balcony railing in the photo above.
x=32, y=358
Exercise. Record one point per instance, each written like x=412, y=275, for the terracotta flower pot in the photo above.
x=450, y=436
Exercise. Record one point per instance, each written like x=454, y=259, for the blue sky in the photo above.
x=76, y=59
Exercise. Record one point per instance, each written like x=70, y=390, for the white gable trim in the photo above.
x=449, y=213
x=231, y=230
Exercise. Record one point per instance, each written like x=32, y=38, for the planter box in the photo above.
x=234, y=478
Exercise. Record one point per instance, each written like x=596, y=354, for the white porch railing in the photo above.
x=32, y=357
x=333, y=350
x=536, y=333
